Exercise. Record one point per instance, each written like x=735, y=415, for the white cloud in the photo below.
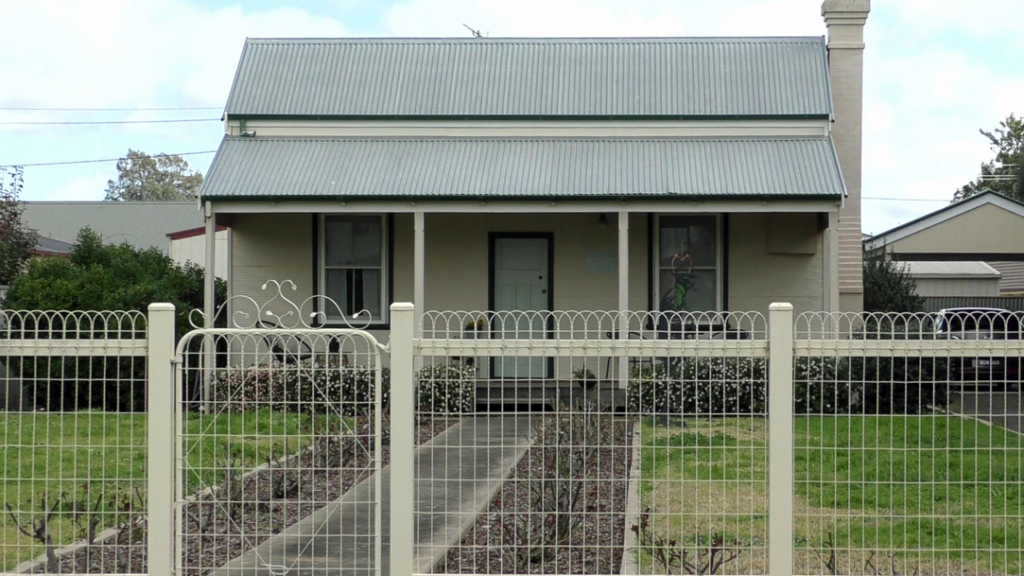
x=133, y=54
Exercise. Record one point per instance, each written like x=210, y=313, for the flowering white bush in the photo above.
x=446, y=389
x=700, y=386
x=313, y=388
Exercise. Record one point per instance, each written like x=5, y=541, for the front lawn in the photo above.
x=937, y=493
x=86, y=457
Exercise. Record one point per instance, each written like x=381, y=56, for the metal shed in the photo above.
x=954, y=278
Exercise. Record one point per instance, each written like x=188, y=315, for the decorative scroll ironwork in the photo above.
x=280, y=311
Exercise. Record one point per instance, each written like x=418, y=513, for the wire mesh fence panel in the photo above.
x=592, y=443
x=909, y=457
x=73, y=442
x=280, y=448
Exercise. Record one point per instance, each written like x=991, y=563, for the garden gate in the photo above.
x=279, y=431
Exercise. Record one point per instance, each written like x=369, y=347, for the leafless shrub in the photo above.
x=670, y=557
x=40, y=531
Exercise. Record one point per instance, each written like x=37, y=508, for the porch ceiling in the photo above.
x=489, y=168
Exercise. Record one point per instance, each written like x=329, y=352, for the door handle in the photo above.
x=543, y=291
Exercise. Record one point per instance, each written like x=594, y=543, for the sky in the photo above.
x=936, y=71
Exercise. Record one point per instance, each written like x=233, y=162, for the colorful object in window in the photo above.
x=676, y=296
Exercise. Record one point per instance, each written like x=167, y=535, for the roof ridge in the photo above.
x=530, y=40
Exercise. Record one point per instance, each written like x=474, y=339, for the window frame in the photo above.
x=384, y=267
x=655, y=260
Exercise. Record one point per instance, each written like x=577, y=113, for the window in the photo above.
x=353, y=252
x=687, y=258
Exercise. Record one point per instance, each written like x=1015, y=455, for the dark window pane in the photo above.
x=354, y=290
x=336, y=287
x=688, y=235
x=366, y=291
x=352, y=241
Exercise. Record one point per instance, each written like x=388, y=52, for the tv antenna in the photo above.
x=475, y=33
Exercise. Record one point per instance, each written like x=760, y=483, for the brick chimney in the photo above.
x=845, y=22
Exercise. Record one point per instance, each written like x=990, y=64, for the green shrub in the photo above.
x=446, y=389
x=97, y=276
x=313, y=389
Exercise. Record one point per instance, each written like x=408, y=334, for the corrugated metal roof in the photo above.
x=594, y=77
x=953, y=269
x=487, y=167
x=141, y=224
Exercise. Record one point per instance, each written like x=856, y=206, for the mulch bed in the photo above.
x=219, y=528
x=497, y=543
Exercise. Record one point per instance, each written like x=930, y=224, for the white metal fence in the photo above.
x=567, y=442
x=73, y=440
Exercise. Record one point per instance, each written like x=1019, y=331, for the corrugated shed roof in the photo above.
x=954, y=269
x=518, y=168
x=141, y=224
x=567, y=77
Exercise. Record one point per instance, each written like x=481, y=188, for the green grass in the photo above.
x=935, y=489
x=85, y=454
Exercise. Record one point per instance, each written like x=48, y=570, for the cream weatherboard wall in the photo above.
x=280, y=246
x=760, y=275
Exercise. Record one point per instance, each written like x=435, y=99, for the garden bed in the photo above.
x=238, y=513
x=515, y=534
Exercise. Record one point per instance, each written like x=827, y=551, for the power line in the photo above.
x=31, y=109
x=907, y=199
x=69, y=162
x=110, y=122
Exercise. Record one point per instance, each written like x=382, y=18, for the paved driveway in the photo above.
x=1001, y=408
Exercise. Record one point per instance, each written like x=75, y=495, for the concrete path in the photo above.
x=457, y=475
x=1004, y=409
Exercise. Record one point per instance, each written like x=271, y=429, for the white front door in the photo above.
x=521, y=284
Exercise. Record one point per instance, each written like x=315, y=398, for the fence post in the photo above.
x=403, y=466
x=160, y=398
x=780, y=440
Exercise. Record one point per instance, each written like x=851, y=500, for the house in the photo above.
x=171, y=227
x=549, y=173
x=987, y=227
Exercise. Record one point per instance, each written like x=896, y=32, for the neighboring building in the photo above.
x=160, y=225
x=552, y=173
x=987, y=227
x=954, y=278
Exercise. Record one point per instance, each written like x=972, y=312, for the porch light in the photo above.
x=602, y=220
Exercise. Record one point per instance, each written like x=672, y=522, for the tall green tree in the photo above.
x=142, y=176
x=1005, y=172
x=16, y=239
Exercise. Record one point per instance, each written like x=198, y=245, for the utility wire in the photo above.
x=69, y=162
x=30, y=109
x=907, y=199
x=110, y=122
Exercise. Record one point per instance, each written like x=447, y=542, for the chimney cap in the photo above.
x=845, y=8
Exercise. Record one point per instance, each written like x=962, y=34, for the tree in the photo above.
x=888, y=287
x=1005, y=172
x=141, y=176
x=16, y=239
